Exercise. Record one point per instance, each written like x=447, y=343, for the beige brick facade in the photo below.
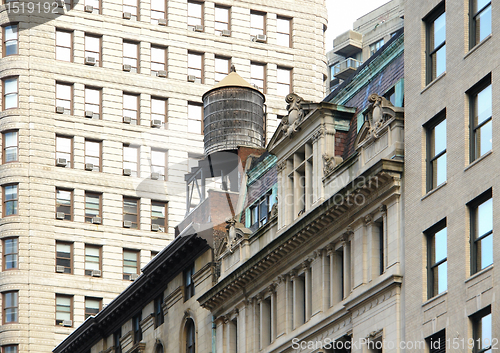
x=466, y=292
x=37, y=175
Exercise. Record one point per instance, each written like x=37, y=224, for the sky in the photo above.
x=343, y=13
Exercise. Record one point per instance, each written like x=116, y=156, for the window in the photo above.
x=131, y=212
x=188, y=283
x=130, y=160
x=222, y=67
x=131, y=7
x=195, y=15
x=64, y=310
x=159, y=215
x=376, y=46
x=64, y=97
x=284, y=85
x=64, y=149
x=222, y=17
x=257, y=23
x=158, y=60
x=480, y=103
x=10, y=146
x=64, y=45
x=10, y=200
x=117, y=335
x=158, y=111
x=92, y=260
x=10, y=92
x=10, y=248
x=10, y=307
x=136, y=327
x=437, y=342
x=158, y=164
x=158, y=313
x=195, y=66
x=93, y=206
x=64, y=204
x=482, y=330
x=93, y=47
x=195, y=118
x=92, y=306
x=92, y=102
x=92, y=155
x=131, y=56
x=95, y=5
x=480, y=22
x=131, y=108
x=158, y=11
x=11, y=348
x=283, y=31
x=436, y=151
x=259, y=211
x=481, y=216
x=257, y=76
x=436, y=42
x=437, y=255
x=64, y=257
x=190, y=336
x=10, y=40
x=130, y=263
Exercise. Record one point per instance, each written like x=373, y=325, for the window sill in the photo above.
x=433, y=82
x=478, y=274
x=478, y=45
x=478, y=160
x=440, y=186
x=435, y=298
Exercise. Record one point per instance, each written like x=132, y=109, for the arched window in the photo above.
x=190, y=336
x=159, y=348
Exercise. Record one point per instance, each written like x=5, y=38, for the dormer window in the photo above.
x=260, y=211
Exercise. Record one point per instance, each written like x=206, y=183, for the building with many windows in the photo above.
x=101, y=117
x=451, y=178
x=370, y=32
x=304, y=253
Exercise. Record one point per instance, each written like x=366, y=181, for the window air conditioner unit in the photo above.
x=162, y=22
x=133, y=276
x=96, y=220
x=61, y=162
x=127, y=67
x=60, y=215
x=261, y=38
x=155, y=227
x=198, y=28
x=126, y=276
x=226, y=33
x=60, y=110
x=89, y=8
x=89, y=60
x=127, y=119
x=155, y=176
x=127, y=172
x=89, y=166
x=89, y=114
x=127, y=15
x=67, y=323
x=127, y=224
x=60, y=269
x=161, y=73
x=96, y=273
x=191, y=78
x=156, y=123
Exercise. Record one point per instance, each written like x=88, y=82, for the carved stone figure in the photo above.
x=330, y=162
x=295, y=114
